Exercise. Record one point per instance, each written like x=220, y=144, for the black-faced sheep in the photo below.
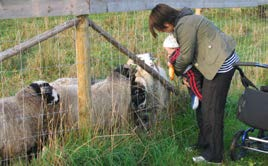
x=24, y=119
x=149, y=96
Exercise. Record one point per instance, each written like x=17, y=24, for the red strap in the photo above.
x=174, y=56
x=193, y=85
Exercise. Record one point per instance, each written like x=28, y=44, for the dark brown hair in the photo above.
x=160, y=15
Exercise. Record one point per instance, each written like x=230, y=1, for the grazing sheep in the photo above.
x=128, y=92
x=153, y=94
x=24, y=119
x=111, y=99
x=68, y=106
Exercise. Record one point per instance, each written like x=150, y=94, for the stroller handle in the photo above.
x=256, y=64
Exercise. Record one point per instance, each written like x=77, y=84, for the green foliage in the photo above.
x=166, y=143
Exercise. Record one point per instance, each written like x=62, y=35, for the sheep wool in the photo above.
x=23, y=119
x=110, y=101
x=156, y=94
x=68, y=106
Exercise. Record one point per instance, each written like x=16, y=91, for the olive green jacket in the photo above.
x=202, y=44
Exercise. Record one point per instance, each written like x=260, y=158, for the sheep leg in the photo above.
x=5, y=162
x=32, y=153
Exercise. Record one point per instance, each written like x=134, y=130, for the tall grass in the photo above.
x=166, y=143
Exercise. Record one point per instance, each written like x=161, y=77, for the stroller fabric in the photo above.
x=253, y=108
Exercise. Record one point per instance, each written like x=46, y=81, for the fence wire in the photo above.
x=55, y=57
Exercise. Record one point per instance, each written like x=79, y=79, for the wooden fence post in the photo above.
x=198, y=11
x=83, y=74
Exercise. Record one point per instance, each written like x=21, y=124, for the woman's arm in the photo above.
x=185, y=34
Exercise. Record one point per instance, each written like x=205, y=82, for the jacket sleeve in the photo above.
x=186, y=37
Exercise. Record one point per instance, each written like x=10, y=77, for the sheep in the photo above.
x=111, y=100
x=24, y=119
x=129, y=95
x=68, y=106
x=65, y=81
x=154, y=95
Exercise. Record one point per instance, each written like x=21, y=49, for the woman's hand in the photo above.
x=185, y=82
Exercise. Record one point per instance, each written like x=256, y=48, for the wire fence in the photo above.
x=55, y=57
x=130, y=29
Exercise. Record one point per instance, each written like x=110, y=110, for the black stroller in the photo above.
x=253, y=111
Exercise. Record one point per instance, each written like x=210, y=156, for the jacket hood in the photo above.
x=184, y=12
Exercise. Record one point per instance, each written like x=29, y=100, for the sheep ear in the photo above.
x=123, y=70
x=36, y=88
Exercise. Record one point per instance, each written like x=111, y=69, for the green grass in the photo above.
x=166, y=143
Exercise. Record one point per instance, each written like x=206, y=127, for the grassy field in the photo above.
x=166, y=143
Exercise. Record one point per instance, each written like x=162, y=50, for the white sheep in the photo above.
x=68, y=106
x=24, y=119
x=156, y=95
x=116, y=98
x=110, y=101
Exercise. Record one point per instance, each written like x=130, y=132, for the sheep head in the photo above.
x=148, y=94
x=36, y=97
x=32, y=106
x=43, y=89
x=141, y=74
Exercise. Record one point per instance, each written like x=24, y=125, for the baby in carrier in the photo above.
x=192, y=76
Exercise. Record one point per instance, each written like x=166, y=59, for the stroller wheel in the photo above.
x=236, y=150
x=262, y=135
